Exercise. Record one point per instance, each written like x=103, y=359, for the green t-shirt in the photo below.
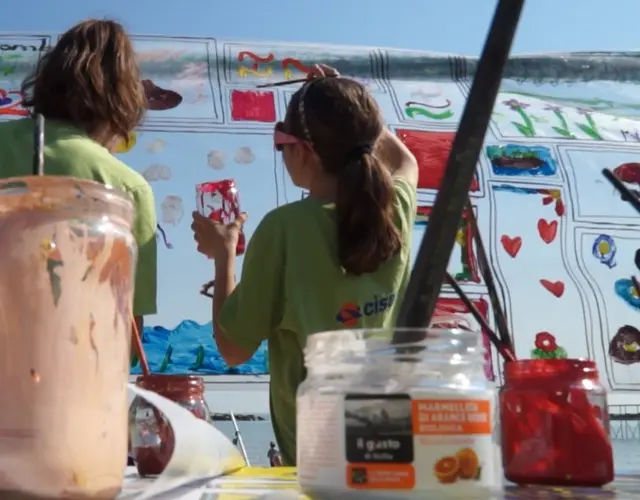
x=292, y=286
x=69, y=152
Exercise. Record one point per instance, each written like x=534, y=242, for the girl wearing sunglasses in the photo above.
x=338, y=259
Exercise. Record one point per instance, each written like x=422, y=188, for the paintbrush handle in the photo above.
x=504, y=350
x=625, y=192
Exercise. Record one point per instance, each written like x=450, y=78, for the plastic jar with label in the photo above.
x=376, y=420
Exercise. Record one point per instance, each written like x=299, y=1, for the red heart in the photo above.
x=555, y=287
x=511, y=245
x=547, y=230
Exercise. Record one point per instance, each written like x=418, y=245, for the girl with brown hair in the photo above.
x=340, y=258
x=88, y=89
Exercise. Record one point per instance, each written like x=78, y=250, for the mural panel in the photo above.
x=560, y=239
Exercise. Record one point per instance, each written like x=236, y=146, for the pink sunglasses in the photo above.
x=281, y=138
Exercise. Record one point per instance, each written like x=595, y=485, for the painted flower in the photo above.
x=584, y=111
x=514, y=104
x=546, y=342
x=553, y=107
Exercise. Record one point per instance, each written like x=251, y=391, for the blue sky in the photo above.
x=442, y=26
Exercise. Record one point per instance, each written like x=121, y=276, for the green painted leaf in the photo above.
x=589, y=131
x=560, y=353
x=167, y=360
x=524, y=130
x=197, y=364
x=563, y=132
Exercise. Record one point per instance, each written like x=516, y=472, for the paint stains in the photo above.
x=126, y=146
x=604, y=250
x=625, y=290
x=160, y=233
x=547, y=230
x=546, y=347
x=431, y=150
x=511, y=245
x=172, y=210
x=253, y=106
x=215, y=159
x=156, y=146
x=11, y=103
x=521, y=161
x=624, y=347
x=244, y=156
x=159, y=99
x=157, y=172
x=556, y=288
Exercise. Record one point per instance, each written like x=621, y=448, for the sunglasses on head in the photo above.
x=281, y=138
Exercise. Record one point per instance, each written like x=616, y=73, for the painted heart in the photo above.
x=555, y=287
x=511, y=245
x=547, y=230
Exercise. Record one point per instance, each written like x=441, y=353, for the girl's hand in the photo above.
x=215, y=239
x=321, y=71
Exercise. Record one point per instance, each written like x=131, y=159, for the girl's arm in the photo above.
x=225, y=284
x=246, y=314
x=396, y=157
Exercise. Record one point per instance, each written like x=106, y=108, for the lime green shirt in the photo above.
x=69, y=152
x=292, y=286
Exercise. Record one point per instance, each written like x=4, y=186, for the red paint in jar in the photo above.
x=555, y=424
x=152, y=439
x=219, y=201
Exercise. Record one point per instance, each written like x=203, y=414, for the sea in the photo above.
x=257, y=435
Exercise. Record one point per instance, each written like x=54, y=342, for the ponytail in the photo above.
x=367, y=234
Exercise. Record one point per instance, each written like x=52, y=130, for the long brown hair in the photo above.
x=91, y=80
x=342, y=122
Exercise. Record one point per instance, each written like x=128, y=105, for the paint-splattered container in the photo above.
x=555, y=426
x=67, y=266
x=376, y=421
x=152, y=440
x=220, y=201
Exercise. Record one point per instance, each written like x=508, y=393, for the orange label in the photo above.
x=381, y=476
x=451, y=416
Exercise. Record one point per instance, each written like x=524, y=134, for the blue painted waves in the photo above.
x=189, y=349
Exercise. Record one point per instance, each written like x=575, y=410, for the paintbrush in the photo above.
x=283, y=83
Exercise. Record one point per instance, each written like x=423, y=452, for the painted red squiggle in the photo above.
x=290, y=61
x=255, y=58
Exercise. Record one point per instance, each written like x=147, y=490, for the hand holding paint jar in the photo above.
x=219, y=201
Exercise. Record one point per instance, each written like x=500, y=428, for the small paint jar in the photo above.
x=152, y=438
x=378, y=421
x=220, y=201
x=555, y=424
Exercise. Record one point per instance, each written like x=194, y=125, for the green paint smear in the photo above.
x=167, y=360
x=199, y=359
x=413, y=112
x=14, y=185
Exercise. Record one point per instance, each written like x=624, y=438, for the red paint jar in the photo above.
x=219, y=201
x=152, y=438
x=555, y=424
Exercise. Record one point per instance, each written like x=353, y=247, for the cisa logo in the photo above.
x=350, y=313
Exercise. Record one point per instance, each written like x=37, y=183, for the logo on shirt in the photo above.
x=350, y=312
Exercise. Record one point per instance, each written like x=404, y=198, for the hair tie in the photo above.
x=358, y=151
